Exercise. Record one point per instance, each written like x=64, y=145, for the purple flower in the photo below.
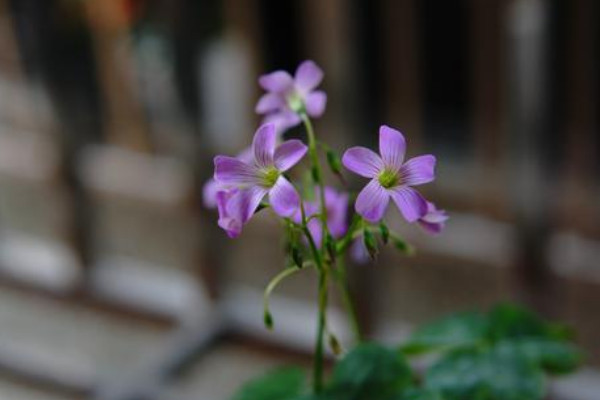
x=434, y=220
x=211, y=188
x=259, y=177
x=231, y=215
x=287, y=97
x=390, y=177
x=336, y=206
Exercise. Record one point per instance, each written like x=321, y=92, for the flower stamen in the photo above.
x=388, y=179
x=270, y=176
x=295, y=102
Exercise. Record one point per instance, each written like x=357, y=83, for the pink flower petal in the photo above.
x=337, y=208
x=283, y=198
x=209, y=193
x=392, y=147
x=288, y=154
x=231, y=171
x=315, y=103
x=308, y=76
x=418, y=170
x=362, y=161
x=433, y=228
x=410, y=203
x=277, y=82
x=269, y=102
x=264, y=145
x=236, y=207
x=372, y=201
x=283, y=120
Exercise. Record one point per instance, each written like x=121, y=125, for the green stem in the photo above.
x=274, y=282
x=321, y=323
x=342, y=281
x=317, y=174
x=350, y=235
x=322, y=301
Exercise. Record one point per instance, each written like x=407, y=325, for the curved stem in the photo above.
x=274, y=282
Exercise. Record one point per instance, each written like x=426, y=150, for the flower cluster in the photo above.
x=240, y=183
x=319, y=227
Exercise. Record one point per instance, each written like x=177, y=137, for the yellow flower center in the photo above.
x=270, y=176
x=388, y=178
x=295, y=102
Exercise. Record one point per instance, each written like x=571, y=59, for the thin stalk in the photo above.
x=318, y=175
x=276, y=281
x=342, y=281
x=322, y=301
x=321, y=324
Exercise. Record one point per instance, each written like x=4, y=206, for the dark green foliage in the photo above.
x=485, y=375
x=459, y=330
x=420, y=394
x=370, y=371
x=281, y=384
x=553, y=356
x=504, y=354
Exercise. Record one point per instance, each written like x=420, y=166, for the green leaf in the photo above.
x=280, y=384
x=512, y=321
x=370, y=371
x=421, y=394
x=458, y=330
x=485, y=375
x=551, y=355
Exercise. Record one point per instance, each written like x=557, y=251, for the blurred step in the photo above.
x=469, y=267
x=19, y=390
x=69, y=345
x=225, y=368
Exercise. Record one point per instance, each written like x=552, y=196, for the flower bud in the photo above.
x=334, y=162
x=403, y=246
x=268, y=319
x=334, y=344
x=385, y=232
x=370, y=243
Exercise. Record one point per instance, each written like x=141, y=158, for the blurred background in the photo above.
x=115, y=283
